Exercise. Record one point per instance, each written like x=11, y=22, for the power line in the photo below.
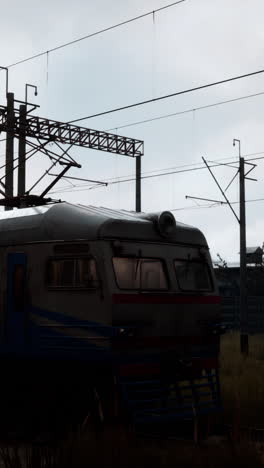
x=215, y=205
x=190, y=165
x=96, y=33
x=167, y=96
x=220, y=161
x=84, y=187
x=119, y=178
x=165, y=116
x=132, y=179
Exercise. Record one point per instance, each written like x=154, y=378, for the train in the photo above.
x=121, y=307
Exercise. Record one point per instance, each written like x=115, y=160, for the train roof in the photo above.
x=66, y=221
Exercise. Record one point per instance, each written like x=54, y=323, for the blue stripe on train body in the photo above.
x=55, y=334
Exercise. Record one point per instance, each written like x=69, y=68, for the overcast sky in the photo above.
x=193, y=43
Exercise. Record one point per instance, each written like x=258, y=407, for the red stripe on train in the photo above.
x=163, y=299
x=155, y=368
x=146, y=369
x=132, y=342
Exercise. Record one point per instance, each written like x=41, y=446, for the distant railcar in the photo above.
x=129, y=299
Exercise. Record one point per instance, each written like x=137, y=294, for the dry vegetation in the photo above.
x=242, y=381
x=113, y=450
x=243, y=398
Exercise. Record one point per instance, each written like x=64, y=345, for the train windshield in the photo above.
x=140, y=273
x=193, y=275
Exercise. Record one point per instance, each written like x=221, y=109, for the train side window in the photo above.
x=140, y=273
x=86, y=273
x=72, y=273
x=67, y=272
x=193, y=275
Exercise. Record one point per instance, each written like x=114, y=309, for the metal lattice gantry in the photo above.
x=51, y=130
x=20, y=123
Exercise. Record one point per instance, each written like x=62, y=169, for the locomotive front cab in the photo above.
x=166, y=314
x=165, y=298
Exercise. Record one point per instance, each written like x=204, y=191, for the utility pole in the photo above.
x=9, y=175
x=21, y=181
x=243, y=262
x=244, y=347
x=138, y=184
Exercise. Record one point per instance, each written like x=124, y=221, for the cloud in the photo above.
x=188, y=45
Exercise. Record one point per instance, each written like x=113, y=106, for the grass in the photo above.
x=114, y=450
x=242, y=381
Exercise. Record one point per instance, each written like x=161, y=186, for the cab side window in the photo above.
x=73, y=273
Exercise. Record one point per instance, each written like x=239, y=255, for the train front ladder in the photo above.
x=151, y=399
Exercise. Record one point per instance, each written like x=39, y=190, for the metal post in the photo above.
x=243, y=263
x=6, y=70
x=138, y=184
x=21, y=181
x=9, y=171
x=26, y=90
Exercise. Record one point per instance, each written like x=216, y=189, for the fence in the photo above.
x=231, y=313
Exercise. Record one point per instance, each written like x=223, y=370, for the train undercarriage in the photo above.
x=53, y=396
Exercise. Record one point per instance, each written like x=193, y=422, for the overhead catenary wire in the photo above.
x=170, y=170
x=214, y=205
x=220, y=161
x=171, y=95
x=84, y=187
x=171, y=115
x=96, y=33
x=132, y=179
x=186, y=111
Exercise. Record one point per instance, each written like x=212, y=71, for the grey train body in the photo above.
x=105, y=292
